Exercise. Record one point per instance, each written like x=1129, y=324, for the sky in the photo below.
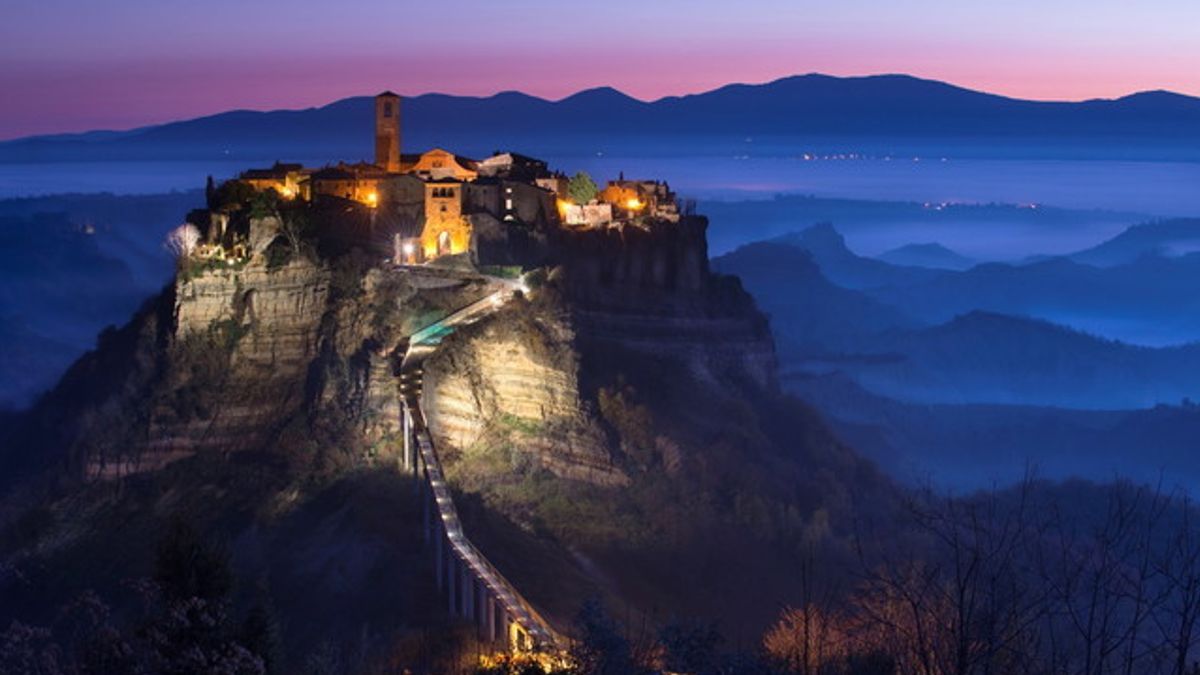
x=76, y=65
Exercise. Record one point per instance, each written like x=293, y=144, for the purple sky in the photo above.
x=73, y=65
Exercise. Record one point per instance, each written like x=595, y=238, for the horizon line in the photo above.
x=645, y=101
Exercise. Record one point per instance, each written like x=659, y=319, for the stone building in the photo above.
x=284, y=179
x=596, y=214
x=513, y=166
x=445, y=231
x=439, y=203
x=439, y=163
x=387, y=132
x=356, y=182
x=635, y=198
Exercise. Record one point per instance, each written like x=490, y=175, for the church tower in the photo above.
x=387, y=131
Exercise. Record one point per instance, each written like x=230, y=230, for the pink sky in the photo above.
x=70, y=65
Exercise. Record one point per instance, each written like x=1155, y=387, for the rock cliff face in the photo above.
x=514, y=381
x=280, y=360
x=248, y=337
x=626, y=419
x=624, y=416
x=519, y=380
x=651, y=291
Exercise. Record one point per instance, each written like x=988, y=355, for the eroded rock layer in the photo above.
x=515, y=379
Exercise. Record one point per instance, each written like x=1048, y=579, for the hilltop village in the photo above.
x=417, y=208
x=550, y=365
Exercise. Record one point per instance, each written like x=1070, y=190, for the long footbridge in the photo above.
x=474, y=589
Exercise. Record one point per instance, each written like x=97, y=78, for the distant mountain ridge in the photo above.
x=985, y=357
x=1151, y=299
x=1167, y=238
x=813, y=104
x=848, y=269
x=931, y=255
x=808, y=313
x=978, y=445
x=976, y=356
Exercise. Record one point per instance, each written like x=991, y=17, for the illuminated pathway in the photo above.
x=475, y=589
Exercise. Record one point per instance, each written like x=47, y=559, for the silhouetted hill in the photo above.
x=28, y=362
x=931, y=255
x=1146, y=124
x=983, y=357
x=73, y=264
x=978, y=446
x=1151, y=300
x=846, y=268
x=990, y=229
x=1167, y=238
x=808, y=313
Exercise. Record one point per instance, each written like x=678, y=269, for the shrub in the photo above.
x=581, y=188
x=278, y=254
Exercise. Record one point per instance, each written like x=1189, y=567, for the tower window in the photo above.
x=387, y=109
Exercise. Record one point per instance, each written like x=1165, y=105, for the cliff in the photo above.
x=620, y=432
x=513, y=382
x=294, y=360
x=527, y=379
x=617, y=430
x=650, y=290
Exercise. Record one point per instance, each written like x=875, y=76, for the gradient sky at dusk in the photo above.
x=73, y=65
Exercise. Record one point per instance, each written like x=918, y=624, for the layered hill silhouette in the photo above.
x=1167, y=238
x=977, y=446
x=983, y=357
x=980, y=397
x=1159, y=123
x=809, y=314
x=846, y=268
x=970, y=337
x=74, y=264
x=1152, y=299
x=932, y=255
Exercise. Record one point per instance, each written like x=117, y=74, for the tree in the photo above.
x=264, y=204
x=295, y=225
x=690, y=647
x=210, y=192
x=181, y=241
x=599, y=649
x=808, y=640
x=1179, y=566
x=188, y=566
x=259, y=633
x=581, y=188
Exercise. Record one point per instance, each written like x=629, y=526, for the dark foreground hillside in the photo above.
x=606, y=436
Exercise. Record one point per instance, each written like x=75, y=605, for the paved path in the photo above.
x=422, y=343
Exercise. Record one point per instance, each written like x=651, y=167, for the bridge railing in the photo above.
x=489, y=585
x=483, y=593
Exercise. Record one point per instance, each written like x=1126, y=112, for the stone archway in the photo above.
x=443, y=243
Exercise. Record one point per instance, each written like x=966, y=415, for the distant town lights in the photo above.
x=634, y=204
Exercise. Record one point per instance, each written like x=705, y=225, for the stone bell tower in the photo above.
x=387, y=132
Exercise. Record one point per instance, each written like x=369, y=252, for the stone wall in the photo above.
x=515, y=379
x=649, y=289
x=261, y=328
